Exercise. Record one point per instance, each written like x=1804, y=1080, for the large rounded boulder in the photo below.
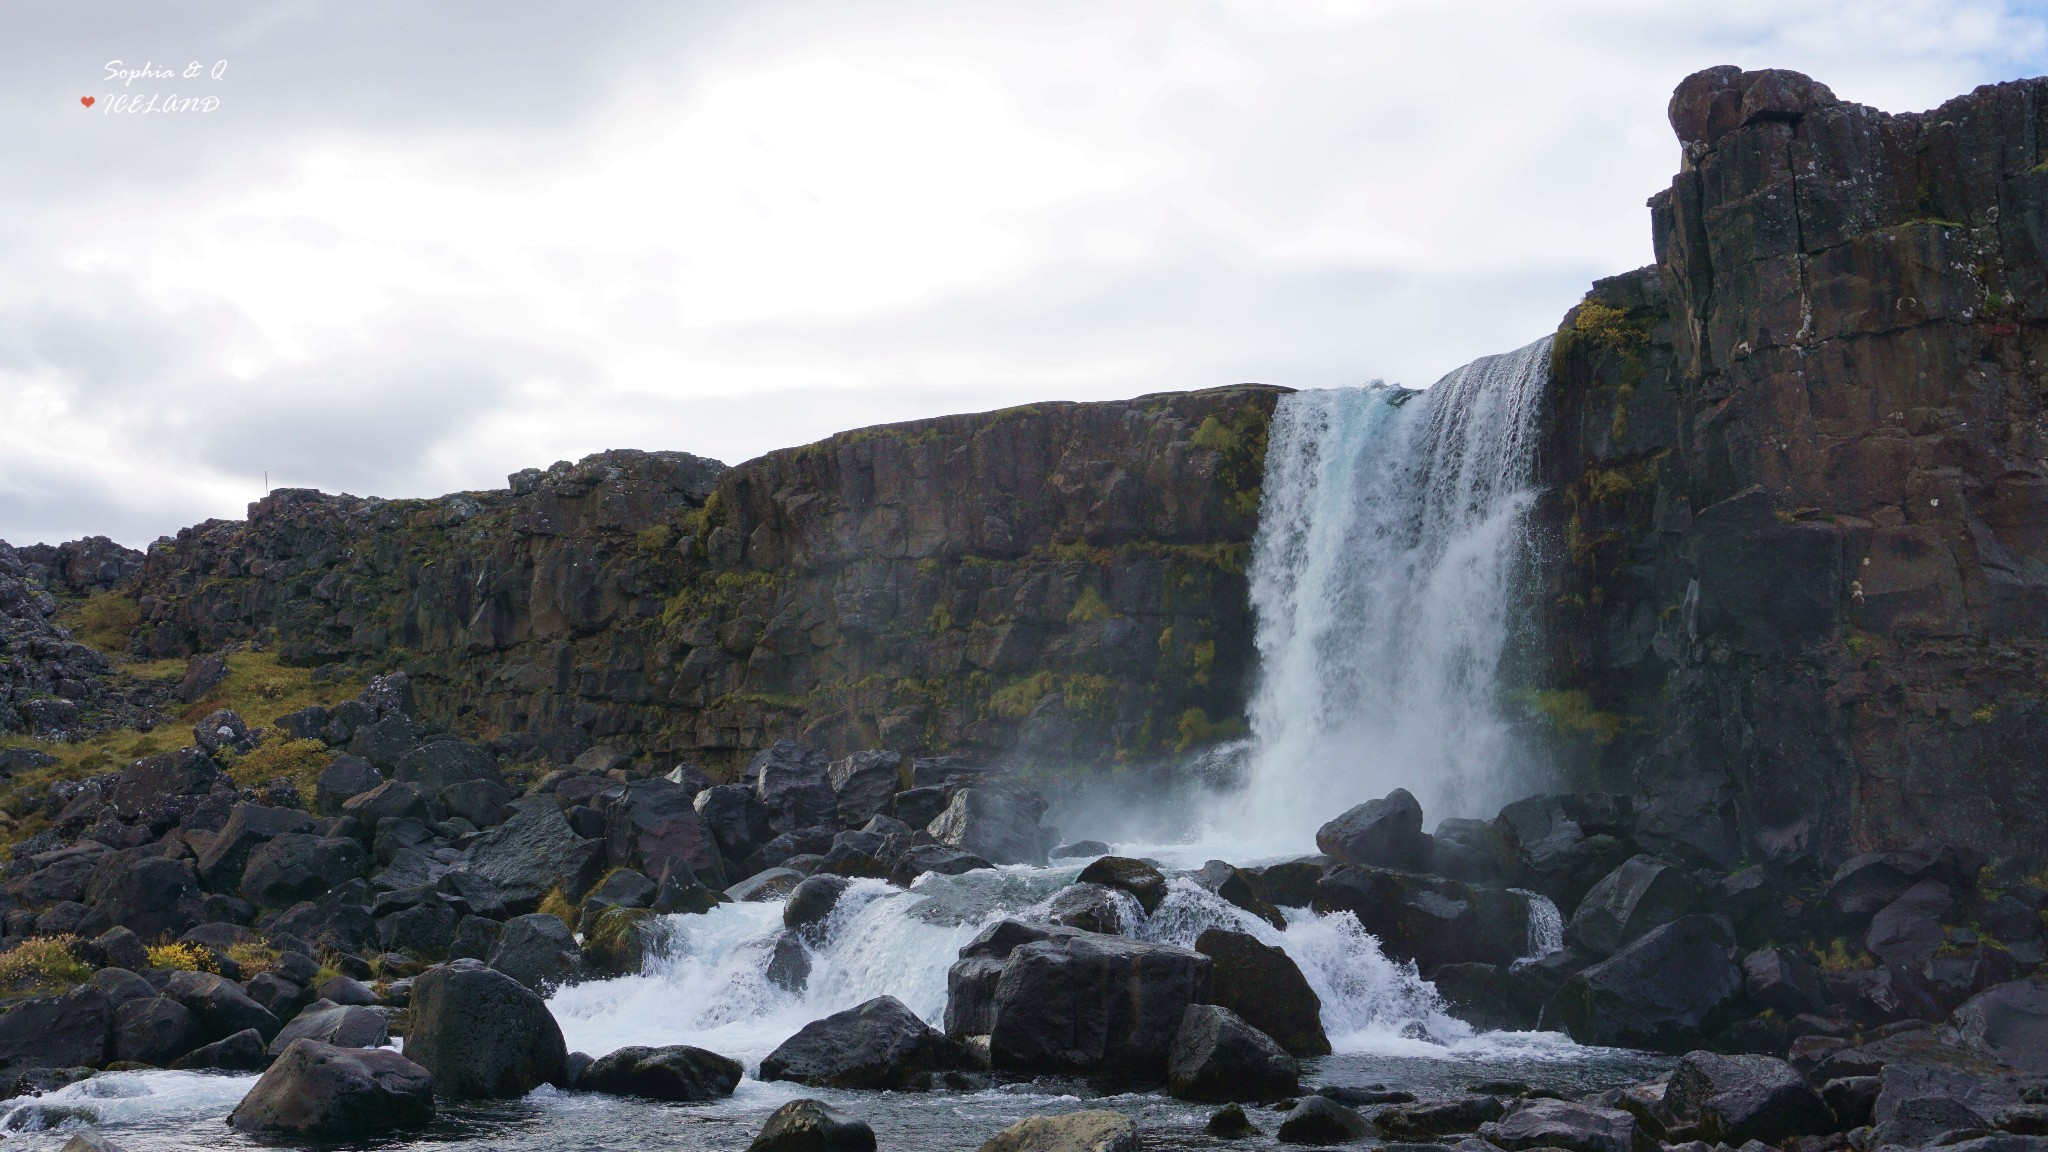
x=483, y=1034
x=879, y=1044
x=321, y=1091
x=1217, y=1057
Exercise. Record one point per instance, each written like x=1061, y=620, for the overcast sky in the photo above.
x=416, y=246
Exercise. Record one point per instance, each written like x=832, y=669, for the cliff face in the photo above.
x=1063, y=581
x=1797, y=528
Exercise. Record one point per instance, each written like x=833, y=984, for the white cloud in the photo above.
x=409, y=254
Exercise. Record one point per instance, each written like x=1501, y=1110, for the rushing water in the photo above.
x=1382, y=580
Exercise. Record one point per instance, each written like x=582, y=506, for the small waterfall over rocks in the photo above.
x=1391, y=534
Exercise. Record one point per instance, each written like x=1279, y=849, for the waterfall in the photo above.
x=1382, y=582
x=1546, y=925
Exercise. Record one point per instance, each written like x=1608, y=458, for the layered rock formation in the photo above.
x=1796, y=571
x=1063, y=580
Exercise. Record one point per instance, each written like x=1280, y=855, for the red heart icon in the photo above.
x=85, y=100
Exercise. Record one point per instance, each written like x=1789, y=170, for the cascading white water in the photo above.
x=1382, y=581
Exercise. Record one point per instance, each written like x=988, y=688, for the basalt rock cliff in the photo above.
x=1796, y=511
x=1062, y=581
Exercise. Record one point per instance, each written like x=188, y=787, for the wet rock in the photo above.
x=1429, y=919
x=481, y=802
x=151, y=896
x=971, y=995
x=1092, y=1131
x=1138, y=878
x=249, y=825
x=793, y=782
x=147, y=787
x=1093, y=1005
x=1236, y=887
x=341, y=781
x=1230, y=1123
x=336, y=922
x=681, y=891
x=1079, y=849
x=534, y=851
x=622, y=888
x=678, y=1072
x=475, y=936
x=1216, y=1056
x=1421, y=1122
x=919, y=859
x=1642, y=894
x=651, y=823
x=1383, y=833
x=91, y=1142
x=121, y=986
x=918, y=807
x=439, y=765
x=1925, y=1121
x=1482, y=995
x=863, y=785
x=1562, y=845
x=1736, y=1099
x=1562, y=1124
x=2008, y=1023
x=1851, y=1099
x=219, y=1006
x=1666, y=991
x=320, y=1091
x=789, y=963
x=996, y=824
x=1907, y=931
x=426, y=929
x=481, y=1033
x=294, y=867
x=1265, y=987
x=812, y=901
x=538, y=950
x=342, y=1025
x=1092, y=908
x=1467, y=850
x=739, y=822
x=812, y=1126
x=1782, y=981
x=389, y=800
x=1291, y=883
x=383, y=742
x=241, y=1052
x=1319, y=1120
x=879, y=1044
x=153, y=1030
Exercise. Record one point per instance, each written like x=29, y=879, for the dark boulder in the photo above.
x=317, y=1090
x=439, y=765
x=1566, y=1124
x=483, y=1034
x=151, y=896
x=538, y=950
x=650, y=823
x=1852, y=1099
x=971, y=995
x=153, y=1030
x=1782, y=981
x=918, y=807
x=1428, y=919
x=739, y=822
x=1468, y=850
x=863, y=784
x=219, y=1006
x=1423, y=1122
x=1562, y=845
x=1138, y=878
x=383, y=742
x=1380, y=833
x=1216, y=1056
x=1230, y=1123
x=794, y=783
x=426, y=929
x=389, y=800
x=1263, y=985
x=1094, y=908
x=249, y=825
x=996, y=824
x=767, y=885
x=1666, y=991
x=879, y=1044
x=146, y=788
x=342, y=1025
x=1093, y=1005
x=811, y=903
x=681, y=891
x=345, y=778
x=919, y=859
x=1736, y=1099
x=1091, y=1131
x=481, y=802
x=534, y=851
x=679, y=1072
x=121, y=985
x=1320, y=1120
x=621, y=888
x=1907, y=931
x=241, y=1052
x=67, y=1031
x=336, y=921
x=1238, y=888
x=1642, y=894
x=1484, y=996
x=812, y=1126
x=294, y=867
x=1291, y=883
x=2008, y=1023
